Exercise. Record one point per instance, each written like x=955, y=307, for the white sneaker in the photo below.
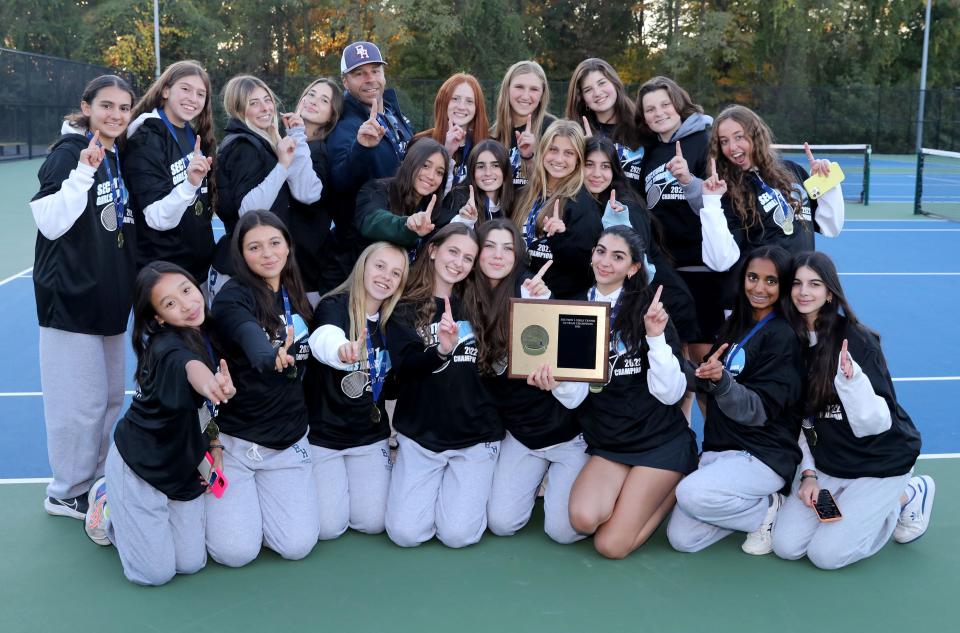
x=97, y=521
x=760, y=541
x=915, y=516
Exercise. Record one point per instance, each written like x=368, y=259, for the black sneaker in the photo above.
x=75, y=508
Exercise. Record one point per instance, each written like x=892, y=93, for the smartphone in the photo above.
x=826, y=507
x=818, y=185
x=213, y=476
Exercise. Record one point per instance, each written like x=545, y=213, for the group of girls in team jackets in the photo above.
x=642, y=205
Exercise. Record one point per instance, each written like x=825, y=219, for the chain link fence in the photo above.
x=36, y=91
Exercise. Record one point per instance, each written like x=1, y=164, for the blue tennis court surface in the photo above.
x=902, y=277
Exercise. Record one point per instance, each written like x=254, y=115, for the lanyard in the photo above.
x=377, y=370
x=212, y=408
x=191, y=137
x=392, y=127
x=460, y=171
x=739, y=345
x=787, y=223
x=287, y=316
x=614, y=309
x=530, y=228
x=117, y=190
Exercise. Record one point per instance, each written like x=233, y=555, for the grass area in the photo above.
x=56, y=579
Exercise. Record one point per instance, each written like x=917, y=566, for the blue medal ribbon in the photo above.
x=614, y=309
x=391, y=124
x=191, y=137
x=212, y=408
x=377, y=370
x=460, y=171
x=728, y=363
x=785, y=207
x=117, y=190
x=530, y=227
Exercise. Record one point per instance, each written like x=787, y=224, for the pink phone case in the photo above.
x=218, y=483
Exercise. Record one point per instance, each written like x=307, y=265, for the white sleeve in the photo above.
x=806, y=461
x=165, y=214
x=304, y=183
x=325, y=342
x=525, y=294
x=615, y=218
x=719, y=250
x=867, y=413
x=831, y=211
x=665, y=379
x=56, y=213
x=571, y=394
x=459, y=219
x=265, y=194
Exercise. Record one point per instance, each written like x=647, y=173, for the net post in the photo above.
x=867, y=155
x=918, y=192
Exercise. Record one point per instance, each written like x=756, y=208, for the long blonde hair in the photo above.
x=502, y=128
x=353, y=285
x=536, y=189
x=237, y=93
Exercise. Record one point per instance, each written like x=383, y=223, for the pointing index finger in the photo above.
x=713, y=165
x=529, y=123
x=679, y=151
x=95, y=140
x=809, y=153
x=613, y=197
x=446, y=308
x=656, y=296
x=556, y=209
x=720, y=350
x=196, y=148
x=433, y=201
x=543, y=271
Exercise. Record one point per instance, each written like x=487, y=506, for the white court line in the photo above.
x=12, y=277
x=899, y=274
x=22, y=394
x=926, y=379
x=901, y=231
x=940, y=456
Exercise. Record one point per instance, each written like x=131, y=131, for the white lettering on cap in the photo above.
x=362, y=52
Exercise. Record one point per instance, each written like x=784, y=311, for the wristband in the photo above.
x=813, y=476
x=441, y=354
x=213, y=446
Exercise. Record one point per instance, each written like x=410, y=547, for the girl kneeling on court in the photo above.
x=638, y=439
x=149, y=504
x=752, y=379
x=543, y=438
x=448, y=429
x=258, y=314
x=83, y=276
x=344, y=391
x=858, y=443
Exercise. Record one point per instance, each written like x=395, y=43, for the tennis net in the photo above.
x=938, y=184
x=854, y=160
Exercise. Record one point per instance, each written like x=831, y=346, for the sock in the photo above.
x=911, y=492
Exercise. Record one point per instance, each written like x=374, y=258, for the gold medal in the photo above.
x=787, y=227
x=198, y=207
x=375, y=414
x=596, y=387
x=119, y=239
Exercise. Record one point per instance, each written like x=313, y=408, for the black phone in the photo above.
x=826, y=507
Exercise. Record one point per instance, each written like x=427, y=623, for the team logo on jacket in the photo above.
x=832, y=412
x=465, y=351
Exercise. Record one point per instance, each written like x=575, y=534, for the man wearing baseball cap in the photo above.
x=368, y=142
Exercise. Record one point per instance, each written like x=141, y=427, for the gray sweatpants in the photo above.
x=870, y=509
x=352, y=487
x=270, y=500
x=729, y=492
x=516, y=481
x=82, y=380
x=156, y=537
x=440, y=493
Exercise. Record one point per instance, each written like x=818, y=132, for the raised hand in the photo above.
x=712, y=368
x=846, y=362
x=292, y=120
x=455, y=136
x=554, y=223
x=655, y=319
x=679, y=168
x=526, y=141
x=285, y=150
x=448, y=332
x=535, y=286
x=713, y=185
x=821, y=166
x=199, y=165
x=225, y=381
x=616, y=206
x=586, y=128
x=421, y=222
x=352, y=351
x=284, y=359
x=469, y=210
x=93, y=153
x=542, y=378
x=371, y=132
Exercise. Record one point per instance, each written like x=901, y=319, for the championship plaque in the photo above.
x=570, y=336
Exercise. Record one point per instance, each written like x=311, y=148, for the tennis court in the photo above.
x=902, y=274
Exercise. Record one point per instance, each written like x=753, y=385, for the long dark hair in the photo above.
x=487, y=306
x=145, y=324
x=507, y=194
x=81, y=121
x=822, y=359
x=419, y=291
x=625, y=129
x=741, y=320
x=402, y=197
x=265, y=298
x=636, y=294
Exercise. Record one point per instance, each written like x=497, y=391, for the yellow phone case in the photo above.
x=818, y=185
